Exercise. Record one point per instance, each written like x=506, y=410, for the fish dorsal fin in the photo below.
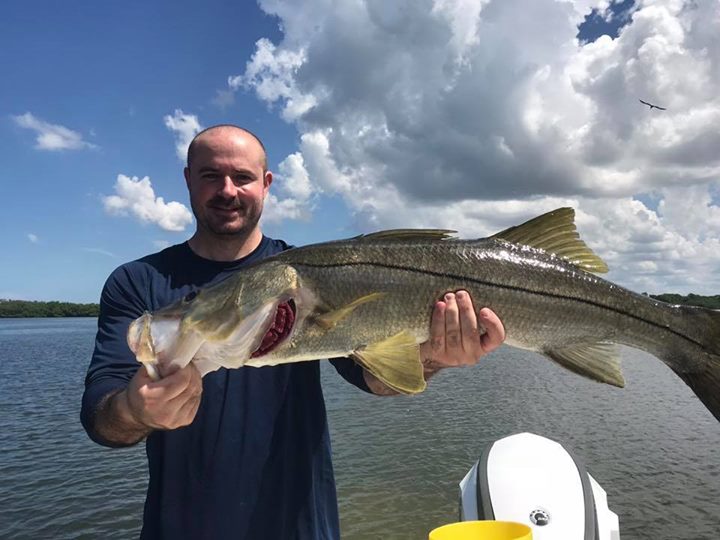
x=598, y=361
x=555, y=232
x=396, y=362
x=408, y=234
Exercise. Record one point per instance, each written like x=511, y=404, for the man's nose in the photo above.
x=228, y=187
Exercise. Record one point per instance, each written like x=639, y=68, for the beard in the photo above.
x=242, y=221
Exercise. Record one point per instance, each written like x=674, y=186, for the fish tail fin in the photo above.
x=706, y=385
x=703, y=377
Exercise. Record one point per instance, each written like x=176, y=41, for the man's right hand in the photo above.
x=169, y=403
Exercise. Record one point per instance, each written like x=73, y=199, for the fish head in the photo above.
x=221, y=325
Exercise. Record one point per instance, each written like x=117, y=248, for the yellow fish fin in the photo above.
x=555, y=232
x=331, y=318
x=396, y=362
x=596, y=361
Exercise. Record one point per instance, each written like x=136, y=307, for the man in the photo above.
x=242, y=453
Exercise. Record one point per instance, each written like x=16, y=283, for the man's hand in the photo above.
x=128, y=416
x=169, y=403
x=459, y=337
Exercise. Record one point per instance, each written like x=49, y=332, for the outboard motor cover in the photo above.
x=532, y=480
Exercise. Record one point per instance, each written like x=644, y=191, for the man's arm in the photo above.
x=456, y=338
x=121, y=405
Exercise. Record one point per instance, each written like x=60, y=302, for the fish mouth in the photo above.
x=140, y=339
x=158, y=343
x=280, y=328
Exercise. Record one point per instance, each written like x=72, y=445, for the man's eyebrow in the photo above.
x=214, y=170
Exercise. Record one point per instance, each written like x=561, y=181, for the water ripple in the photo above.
x=398, y=461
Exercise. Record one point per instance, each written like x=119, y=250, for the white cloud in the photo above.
x=185, y=127
x=270, y=73
x=136, y=197
x=33, y=238
x=100, y=251
x=224, y=98
x=293, y=184
x=470, y=115
x=52, y=136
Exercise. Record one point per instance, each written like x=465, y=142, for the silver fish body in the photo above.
x=371, y=298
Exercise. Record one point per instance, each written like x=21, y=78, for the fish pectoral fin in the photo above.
x=599, y=362
x=555, y=232
x=396, y=362
x=331, y=318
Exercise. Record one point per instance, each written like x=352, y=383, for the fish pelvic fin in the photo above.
x=331, y=318
x=701, y=372
x=396, y=362
x=599, y=362
x=555, y=233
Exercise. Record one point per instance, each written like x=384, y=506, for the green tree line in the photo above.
x=24, y=308
x=712, y=302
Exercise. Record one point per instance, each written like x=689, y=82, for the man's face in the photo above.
x=226, y=183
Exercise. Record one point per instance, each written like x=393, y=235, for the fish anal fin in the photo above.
x=396, y=362
x=599, y=362
x=555, y=232
x=330, y=318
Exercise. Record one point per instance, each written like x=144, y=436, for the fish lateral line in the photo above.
x=504, y=286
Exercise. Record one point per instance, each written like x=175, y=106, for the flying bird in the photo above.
x=652, y=106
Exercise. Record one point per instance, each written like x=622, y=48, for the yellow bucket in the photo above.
x=482, y=530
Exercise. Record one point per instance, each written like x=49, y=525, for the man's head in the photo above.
x=197, y=140
x=228, y=180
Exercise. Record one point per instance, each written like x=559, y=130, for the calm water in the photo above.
x=652, y=446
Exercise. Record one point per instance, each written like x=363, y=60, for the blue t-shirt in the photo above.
x=255, y=463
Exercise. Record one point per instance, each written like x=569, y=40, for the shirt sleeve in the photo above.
x=113, y=364
x=352, y=372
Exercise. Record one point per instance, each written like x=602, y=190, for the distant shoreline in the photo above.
x=15, y=309
x=711, y=302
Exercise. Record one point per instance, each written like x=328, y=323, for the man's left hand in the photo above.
x=459, y=336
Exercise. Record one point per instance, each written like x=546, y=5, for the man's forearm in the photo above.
x=376, y=386
x=115, y=423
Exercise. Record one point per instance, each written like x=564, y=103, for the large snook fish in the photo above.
x=371, y=298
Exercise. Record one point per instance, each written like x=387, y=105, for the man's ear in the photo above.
x=267, y=180
x=186, y=172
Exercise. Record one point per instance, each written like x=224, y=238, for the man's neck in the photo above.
x=224, y=248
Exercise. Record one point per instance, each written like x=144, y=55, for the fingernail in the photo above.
x=449, y=296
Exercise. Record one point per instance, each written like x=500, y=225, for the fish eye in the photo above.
x=190, y=296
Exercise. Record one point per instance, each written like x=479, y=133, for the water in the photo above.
x=398, y=460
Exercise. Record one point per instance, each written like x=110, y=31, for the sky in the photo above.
x=471, y=115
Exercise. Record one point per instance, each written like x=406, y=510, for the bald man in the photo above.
x=242, y=453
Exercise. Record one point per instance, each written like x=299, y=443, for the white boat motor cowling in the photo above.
x=532, y=480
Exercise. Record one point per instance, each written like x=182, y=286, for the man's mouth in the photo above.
x=279, y=329
x=227, y=210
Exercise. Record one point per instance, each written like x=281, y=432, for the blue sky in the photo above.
x=375, y=116
x=111, y=72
